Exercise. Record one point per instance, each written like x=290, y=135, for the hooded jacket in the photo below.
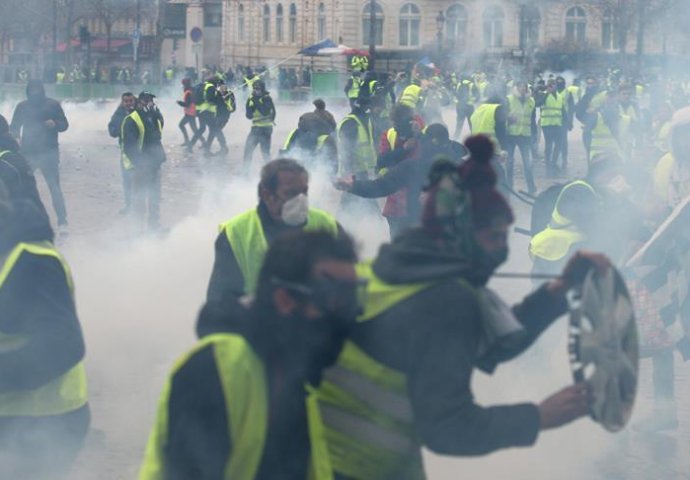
x=29, y=120
x=433, y=337
x=36, y=302
x=16, y=173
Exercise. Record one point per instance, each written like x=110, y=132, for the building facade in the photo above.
x=255, y=32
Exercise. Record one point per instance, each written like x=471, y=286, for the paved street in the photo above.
x=138, y=299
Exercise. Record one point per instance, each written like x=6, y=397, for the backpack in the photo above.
x=198, y=93
x=543, y=208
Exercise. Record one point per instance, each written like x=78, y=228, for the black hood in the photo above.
x=416, y=257
x=37, y=87
x=28, y=223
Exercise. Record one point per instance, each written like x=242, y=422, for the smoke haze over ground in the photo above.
x=138, y=300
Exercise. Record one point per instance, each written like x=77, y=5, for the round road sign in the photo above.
x=195, y=34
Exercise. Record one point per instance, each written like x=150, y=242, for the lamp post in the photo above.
x=440, y=21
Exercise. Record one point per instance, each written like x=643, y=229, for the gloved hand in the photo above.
x=577, y=269
x=579, y=266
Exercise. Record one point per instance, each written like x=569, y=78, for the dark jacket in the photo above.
x=226, y=277
x=407, y=172
x=17, y=174
x=29, y=120
x=198, y=444
x=433, y=337
x=152, y=150
x=263, y=104
x=115, y=123
x=35, y=301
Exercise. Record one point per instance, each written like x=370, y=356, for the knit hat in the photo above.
x=463, y=199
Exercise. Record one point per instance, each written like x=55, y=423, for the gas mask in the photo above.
x=295, y=211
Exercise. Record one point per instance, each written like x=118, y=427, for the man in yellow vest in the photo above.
x=143, y=153
x=237, y=406
x=44, y=412
x=490, y=119
x=207, y=111
x=551, y=119
x=521, y=128
x=244, y=239
x=311, y=143
x=401, y=383
x=464, y=106
x=261, y=111
x=569, y=102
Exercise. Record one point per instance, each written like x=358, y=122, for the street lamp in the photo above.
x=440, y=21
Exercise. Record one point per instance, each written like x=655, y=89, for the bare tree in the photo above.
x=109, y=12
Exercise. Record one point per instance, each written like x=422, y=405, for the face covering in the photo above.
x=487, y=263
x=295, y=210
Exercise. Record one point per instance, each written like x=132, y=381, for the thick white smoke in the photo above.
x=138, y=299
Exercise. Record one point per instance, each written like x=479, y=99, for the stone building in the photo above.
x=261, y=32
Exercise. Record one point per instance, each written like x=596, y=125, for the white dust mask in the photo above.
x=295, y=210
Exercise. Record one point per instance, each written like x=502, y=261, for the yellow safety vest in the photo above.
x=662, y=175
x=320, y=141
x=575, y=92
x=364, y=405
x=661, y=141
x=243, y=379
x=411, y=96
x=355, y=87
x=480, y=90
x=483, y=121
x=522, y=112
x=136, y=118
x=206, y=106
x=258, y=118
x=61, y=395
x=248, y=241
x=552, y=111
x=555, y=241
x=603, y=141
x=365, y=152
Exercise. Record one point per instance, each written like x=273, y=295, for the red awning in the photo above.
x=97, y=44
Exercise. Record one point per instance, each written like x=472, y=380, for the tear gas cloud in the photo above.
x=138, y=300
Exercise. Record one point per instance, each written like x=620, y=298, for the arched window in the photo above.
x=267, y=23
x=293, y=23
x=456, y=24
x=279, y=23
x=609, y=30
x=409, y=25
x=240, y=22
x=493, y=26
x=575, y=24
x=378, y=24
x=529, y=26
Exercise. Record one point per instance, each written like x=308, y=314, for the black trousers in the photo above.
x=206, y=118
x=524, y=144
x=48, y=163
x=191, y=121
x=258, y=136
x=146, y=194
x=553, y=137
x=462, y=113
x=216, y=131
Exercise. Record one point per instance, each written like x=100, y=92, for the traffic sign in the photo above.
x=195, y=34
